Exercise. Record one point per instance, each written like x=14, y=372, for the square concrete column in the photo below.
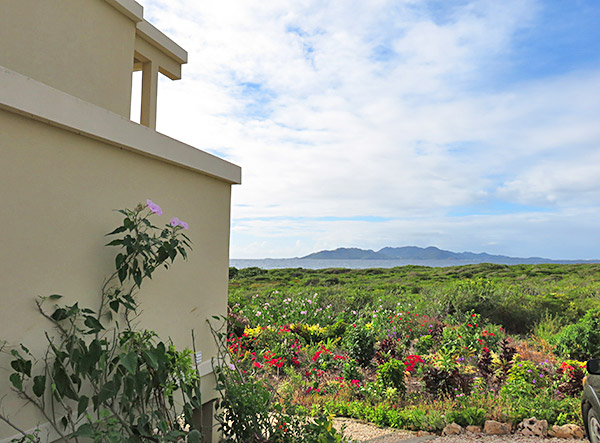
x=149, y=94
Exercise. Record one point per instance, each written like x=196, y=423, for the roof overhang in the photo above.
x=129, y=8
x=151, y=44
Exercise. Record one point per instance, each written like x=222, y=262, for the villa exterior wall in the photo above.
x=69, y=156
x=58, y=193
x=84, y=48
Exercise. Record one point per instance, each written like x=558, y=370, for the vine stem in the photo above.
x=35, y=403
x=15, y=427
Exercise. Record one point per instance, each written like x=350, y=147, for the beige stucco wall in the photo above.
x=85, y=51
x=58, y=190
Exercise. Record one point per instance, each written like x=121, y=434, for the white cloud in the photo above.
x=376, y=108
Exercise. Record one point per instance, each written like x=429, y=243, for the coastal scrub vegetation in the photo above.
x=416, y=347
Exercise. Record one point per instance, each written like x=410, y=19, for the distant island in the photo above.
x=425, y=254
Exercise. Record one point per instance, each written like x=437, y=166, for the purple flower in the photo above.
x=176, y=222
x=153, y=207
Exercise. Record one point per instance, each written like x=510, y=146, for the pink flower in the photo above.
x=176, y=222
x=153, y=207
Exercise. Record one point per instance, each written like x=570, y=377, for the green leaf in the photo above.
x=22, y=366
x=122, y=274
x=54, y=297
x=82, y=405
x=63, y=384
x=106, y=392
x=39, y=385
x=142, y=423
x=116, y=242
x=137, y=277
x=150, y=359
x=128, y=223
x=86, y=430
x=118, y=230
x=16, y=381
x=119, y=260
x=130, y=361
x=114, y=305
x=59, y=314
x=90, y=358
x=162, y=254
x=93, y=324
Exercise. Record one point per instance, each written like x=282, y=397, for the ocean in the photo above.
x=280, y=263
x=306, y=263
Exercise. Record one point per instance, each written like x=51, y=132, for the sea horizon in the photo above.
x=282, y=263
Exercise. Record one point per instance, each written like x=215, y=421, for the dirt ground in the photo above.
x=365, y=432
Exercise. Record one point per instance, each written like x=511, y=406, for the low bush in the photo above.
x=391, y=375
x=581, y=341
x=360, y=344
x=469, y=416
x=351, y=371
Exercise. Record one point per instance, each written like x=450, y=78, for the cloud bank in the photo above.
x=387, y=123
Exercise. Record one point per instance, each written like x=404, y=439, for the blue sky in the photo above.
x=467, y=125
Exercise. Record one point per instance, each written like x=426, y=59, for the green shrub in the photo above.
x=351, y=372
x=525, y=379
x=545, y=407
x=548, y=327
x=440, y=382
x=391, y=375
x=470, y=416
x=424, y=344
x=360, y=344
x=581, y=341
x=337, y=330
x=249, y=272
x=321, y=431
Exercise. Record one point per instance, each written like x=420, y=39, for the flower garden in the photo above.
x=406, y=360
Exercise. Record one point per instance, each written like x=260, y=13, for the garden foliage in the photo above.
x=417, y=347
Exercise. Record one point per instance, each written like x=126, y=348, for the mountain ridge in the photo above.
x=423, y=254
